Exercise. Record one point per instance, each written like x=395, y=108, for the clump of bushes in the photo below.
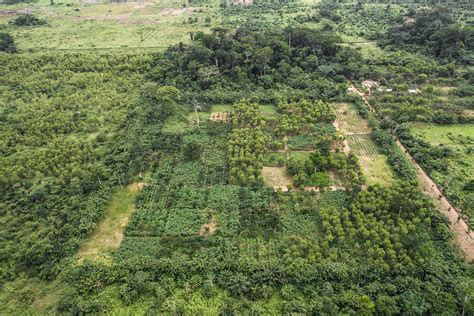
x=7, y=43
x=27, y=19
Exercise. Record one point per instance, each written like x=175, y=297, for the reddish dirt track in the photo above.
x=463, y=236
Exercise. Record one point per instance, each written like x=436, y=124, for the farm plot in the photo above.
x=277, y=177
x=374, y=164
x=357, y=134
x=349, y=121
x=109, y=233
x=104, y=26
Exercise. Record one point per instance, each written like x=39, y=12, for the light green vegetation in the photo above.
x=367, y=48
x=222, y=107
x=268, y=109
x=264, y=108
x=450, y=135
x=373, y=164
x=459, y=138
x=349, y=120
x=183, y=124
x=276, y=177
x=79, y=26
x=29, y=296
x=108, y=235
x=357, y=133
x=273, y=159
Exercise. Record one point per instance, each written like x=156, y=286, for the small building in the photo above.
x=350, y=90
x=369, y=84
x=413, y=91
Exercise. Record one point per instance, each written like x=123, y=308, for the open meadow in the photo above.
x=82, y=26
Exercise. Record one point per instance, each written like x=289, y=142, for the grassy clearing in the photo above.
x=222, y=107
x=264, y=108
x=268, y=109
x=109, y=233
x=357, y=133
x=368, y=49
x=349, y=120
x=443, y=134
x=374, y=164
x=376, y=170
x=80, y=26
x=277, y=177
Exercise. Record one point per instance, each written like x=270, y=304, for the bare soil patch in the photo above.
x=136, y=186
x=209, y=228
x=446, y=89
x=220, y=117
x=468, y=113
x=171, y=11
x=4, y=14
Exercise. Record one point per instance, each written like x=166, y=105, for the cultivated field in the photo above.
x=357, y=134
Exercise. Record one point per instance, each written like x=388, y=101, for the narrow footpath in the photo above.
x=463, y=236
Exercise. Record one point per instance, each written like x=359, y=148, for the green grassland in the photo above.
x=125, y=25
x=460, y=140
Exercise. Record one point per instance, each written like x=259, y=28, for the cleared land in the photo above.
x=357, y=133
x=124, y=25
x=109, y=232
x=277, y=177
x=349, y=121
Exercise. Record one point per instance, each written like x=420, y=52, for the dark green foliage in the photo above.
x=63, y=150
x=7, y=43
x=27, y=19
x=380, y=239
x=207, y=236
x=215, y=67
x=430, y=158
x=435, y=32
x=396, y=158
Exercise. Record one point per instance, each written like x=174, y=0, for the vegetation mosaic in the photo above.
x=235, y=157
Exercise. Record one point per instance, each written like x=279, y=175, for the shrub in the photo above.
x=7, y=44
x=27, y=20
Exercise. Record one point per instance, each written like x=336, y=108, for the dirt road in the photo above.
x=463, y=236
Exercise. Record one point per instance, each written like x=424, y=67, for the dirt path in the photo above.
x=464, y=237
x=364, y=97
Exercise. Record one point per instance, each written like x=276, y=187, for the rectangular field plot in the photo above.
x=349, y=120
x=376, y=169
x=362, y=145
x=373, y=164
